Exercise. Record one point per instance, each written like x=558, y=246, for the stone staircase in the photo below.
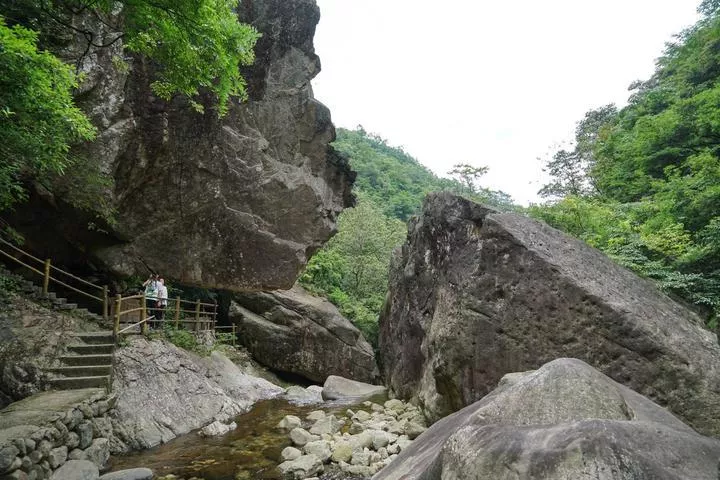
x=87, y=364
x=28, y=288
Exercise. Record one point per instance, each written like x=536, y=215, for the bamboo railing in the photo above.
x=46, y=269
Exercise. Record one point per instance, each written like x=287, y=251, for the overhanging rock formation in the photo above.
x=475, y=294
x=239, y=202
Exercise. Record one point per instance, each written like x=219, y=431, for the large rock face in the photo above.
x=239, y=202
x=564, y=421
x=475, y=294
x=163, y=392
x=295, y=332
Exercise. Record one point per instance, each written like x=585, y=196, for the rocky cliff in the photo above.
x=239, y=202
x=475, y=294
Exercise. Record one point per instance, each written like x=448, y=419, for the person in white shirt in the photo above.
x=162, y=295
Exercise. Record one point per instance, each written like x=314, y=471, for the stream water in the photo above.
x=252, y=451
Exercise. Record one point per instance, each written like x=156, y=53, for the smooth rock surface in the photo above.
x=338, y=387
x=217, y=428
x=164, y=391
x=129, y=474
x=475, y=294
x=565, y=420
x=238, y=202
x=76, y=470
x=296, y=332
x=302, y=396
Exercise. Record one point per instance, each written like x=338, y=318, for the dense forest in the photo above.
x=642, y=184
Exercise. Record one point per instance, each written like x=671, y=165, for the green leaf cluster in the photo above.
x=652, y=173
x=38, y=119
x=195, y=44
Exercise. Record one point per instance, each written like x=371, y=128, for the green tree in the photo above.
x=468, y=176
x=39, y=120
x=194, y=44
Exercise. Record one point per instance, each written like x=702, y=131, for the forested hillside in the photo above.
x=352, y=268
x=643, y=182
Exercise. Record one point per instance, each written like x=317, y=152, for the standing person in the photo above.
x=162, y=301
x=151, y=293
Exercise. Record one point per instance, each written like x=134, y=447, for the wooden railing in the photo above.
x=202, y=316
x=45, y=269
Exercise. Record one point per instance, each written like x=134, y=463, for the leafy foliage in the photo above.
x=654, y=168
x=196, y=43
x=39, y=120
x=352, y=268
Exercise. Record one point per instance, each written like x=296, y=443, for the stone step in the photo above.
x=75, y=383
x=81, y=312
x=96, y=349
x=66, y=306
x=83, y=370
x=57, y=301
x=86, y=360
x=96, y=338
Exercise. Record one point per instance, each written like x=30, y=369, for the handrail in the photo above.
x=47, y=277
x=145, y=320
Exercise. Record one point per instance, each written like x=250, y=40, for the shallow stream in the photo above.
x=250, y=452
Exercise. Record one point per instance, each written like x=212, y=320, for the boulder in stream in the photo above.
x=295, y=332
x=565, y=420
x=338, y=387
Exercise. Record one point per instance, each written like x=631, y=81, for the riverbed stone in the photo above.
x=57, y=456
x=302, y=467
x=336, y=387
x=379, y=439
x=315, y=415
x=129, y=474
x=319, y=448
x=77, y=470
x=289, y=422
x=342, y=452
x=290, y=454
x=217, y=428
x=302, y=396
x=300, y=436
x=329, y=424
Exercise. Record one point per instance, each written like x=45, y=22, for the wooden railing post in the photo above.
x=143, y=315
x=105, y=306
x=197, y=316
x=46, y=278
x=118, y=308
x=177, y=313
x=234, y=333
x=214, y=318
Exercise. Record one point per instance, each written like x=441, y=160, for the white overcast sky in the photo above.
x=496, y=83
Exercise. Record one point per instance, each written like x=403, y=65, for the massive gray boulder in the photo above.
x=239, y=202
x=295, y=332
x=164, y=391
x=564, y=421
x=475, y=294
